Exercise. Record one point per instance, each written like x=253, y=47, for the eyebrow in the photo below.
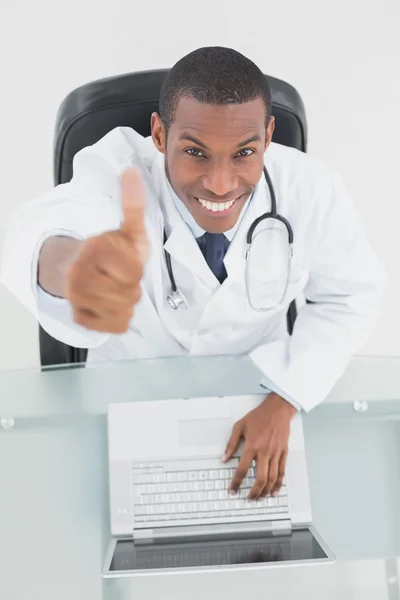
x=194, y=140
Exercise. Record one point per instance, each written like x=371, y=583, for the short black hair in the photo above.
x=213, y=75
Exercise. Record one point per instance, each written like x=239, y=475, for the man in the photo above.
x=89, y=258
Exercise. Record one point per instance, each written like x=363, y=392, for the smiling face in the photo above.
x=214, y=157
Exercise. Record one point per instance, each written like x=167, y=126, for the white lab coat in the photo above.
x=333, y=265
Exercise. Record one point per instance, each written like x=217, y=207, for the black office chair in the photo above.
x=94, y=109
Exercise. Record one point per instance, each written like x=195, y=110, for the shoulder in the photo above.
x=292, y=166
x=303, y=181
x=118, y=149
x=97, y=168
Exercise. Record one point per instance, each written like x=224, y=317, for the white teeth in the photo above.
x=216, y=206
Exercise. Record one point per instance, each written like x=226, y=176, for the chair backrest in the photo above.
x=92, y=110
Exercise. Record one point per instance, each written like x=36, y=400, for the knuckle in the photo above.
x=73, y=295
x=120, y=328
x=123, y=321
x=81, y=318
x=143, y=249
x=136, y=294
x=113, y=326
x=95, y=247
x=77, y=280
x=103, y=247
x=78, y=317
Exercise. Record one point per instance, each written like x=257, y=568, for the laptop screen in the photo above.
x=299, y=545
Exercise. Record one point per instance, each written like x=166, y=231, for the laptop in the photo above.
x=170, y=510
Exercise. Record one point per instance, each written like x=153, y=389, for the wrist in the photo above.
x=56, y=255
x=280, y=402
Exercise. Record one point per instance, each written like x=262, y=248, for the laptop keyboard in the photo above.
x=197, y=489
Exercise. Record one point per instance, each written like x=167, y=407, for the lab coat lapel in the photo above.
x=184, y=249
x=181, y=243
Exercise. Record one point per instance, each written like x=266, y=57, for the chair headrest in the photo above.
x=92, y=110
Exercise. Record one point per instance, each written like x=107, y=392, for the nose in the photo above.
x=220, y=181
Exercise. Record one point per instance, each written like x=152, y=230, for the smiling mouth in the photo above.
x=217, y=207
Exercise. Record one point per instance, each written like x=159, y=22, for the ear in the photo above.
x=158, y=133
x=269, y=131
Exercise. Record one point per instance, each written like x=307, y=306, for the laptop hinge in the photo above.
x=272, y=527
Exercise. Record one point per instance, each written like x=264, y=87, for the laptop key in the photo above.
x=200, y=493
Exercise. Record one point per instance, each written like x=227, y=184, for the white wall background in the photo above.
x=342, y=55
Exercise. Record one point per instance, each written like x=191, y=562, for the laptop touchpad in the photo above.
x=204, y=432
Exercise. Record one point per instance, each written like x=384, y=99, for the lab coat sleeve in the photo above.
x=87, y=206
x=346, y=285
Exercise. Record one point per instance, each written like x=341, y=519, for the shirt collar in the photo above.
x=194, y=227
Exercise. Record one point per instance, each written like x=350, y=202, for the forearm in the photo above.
x=304, y=367
x=56, y=255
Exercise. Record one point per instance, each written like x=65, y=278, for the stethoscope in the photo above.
x=176, y=299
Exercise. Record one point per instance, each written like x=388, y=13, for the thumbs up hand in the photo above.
x=103, y=284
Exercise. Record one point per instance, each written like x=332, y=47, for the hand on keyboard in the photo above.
x=266, y=433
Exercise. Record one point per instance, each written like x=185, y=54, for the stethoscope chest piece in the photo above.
x=177, y=300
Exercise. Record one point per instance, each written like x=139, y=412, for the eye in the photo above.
x=245, y=152
x=194, y=152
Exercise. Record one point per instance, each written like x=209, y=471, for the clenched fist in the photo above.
x=103, y=284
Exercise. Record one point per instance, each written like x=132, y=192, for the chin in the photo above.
x=220, y=226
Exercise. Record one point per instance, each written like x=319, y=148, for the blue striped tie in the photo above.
x=214, y=247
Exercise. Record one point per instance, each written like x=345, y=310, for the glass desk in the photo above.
x=54, y=528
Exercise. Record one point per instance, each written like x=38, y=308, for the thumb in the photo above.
x=234, y=441
x=133, y=203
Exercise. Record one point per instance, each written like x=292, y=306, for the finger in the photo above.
x=241, y=471
x=133, y=203
x=272, y=476
x=93, y=322
x=107, y=254
x=104, y=303
x=234, y=441
x=92, y=284
x=281, y=472
x=262, y=469
x=124, y=271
